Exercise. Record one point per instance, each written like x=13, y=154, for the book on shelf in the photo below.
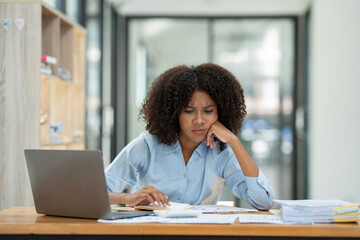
x=48, y=59
x=46, y=62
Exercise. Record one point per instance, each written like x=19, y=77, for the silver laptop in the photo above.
x=71, y=183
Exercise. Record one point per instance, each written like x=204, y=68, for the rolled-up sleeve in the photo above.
x=257, y=191
x=122, y=173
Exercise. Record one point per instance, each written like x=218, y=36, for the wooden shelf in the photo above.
x=63, y=100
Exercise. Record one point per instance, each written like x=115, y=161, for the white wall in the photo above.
x=334, y=100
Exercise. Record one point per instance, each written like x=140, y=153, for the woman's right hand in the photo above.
x=145, y=196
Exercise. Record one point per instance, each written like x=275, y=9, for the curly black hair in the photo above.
x=171, y=92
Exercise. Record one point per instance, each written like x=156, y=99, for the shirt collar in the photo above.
x=171, y=148
x=201, y=149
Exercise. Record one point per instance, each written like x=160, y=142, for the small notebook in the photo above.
x=173, y=206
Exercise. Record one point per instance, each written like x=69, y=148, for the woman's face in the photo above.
x=196, y=119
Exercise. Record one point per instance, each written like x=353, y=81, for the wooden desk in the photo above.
x=25, y=223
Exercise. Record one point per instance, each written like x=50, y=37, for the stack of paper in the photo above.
x=318, y=211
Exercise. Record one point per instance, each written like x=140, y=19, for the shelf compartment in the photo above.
x=51, y=38
x=61, y=110
x=67, y=47
x=79, y=57
x=78, y=114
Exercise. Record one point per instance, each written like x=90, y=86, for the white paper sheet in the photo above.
x=260, y=218
x=206, y=218
x=221, y=209
x=177, y=213
x=203, y=218
x=144, y=219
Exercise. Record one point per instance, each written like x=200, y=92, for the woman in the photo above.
x=192, y=116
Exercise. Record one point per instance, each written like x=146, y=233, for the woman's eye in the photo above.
x=188, y=111
x=208, y=111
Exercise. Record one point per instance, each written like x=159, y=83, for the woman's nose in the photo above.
x=199, y=118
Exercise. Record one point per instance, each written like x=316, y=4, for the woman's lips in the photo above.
x=198, y=131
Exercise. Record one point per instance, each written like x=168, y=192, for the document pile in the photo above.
x=318, y=211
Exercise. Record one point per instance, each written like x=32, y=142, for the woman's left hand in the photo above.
x=219, y=131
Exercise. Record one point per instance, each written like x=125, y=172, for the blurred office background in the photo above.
x=298, y=62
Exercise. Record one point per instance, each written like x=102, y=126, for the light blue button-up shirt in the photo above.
x=146, y=161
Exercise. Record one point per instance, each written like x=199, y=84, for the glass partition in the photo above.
x=259, y=52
